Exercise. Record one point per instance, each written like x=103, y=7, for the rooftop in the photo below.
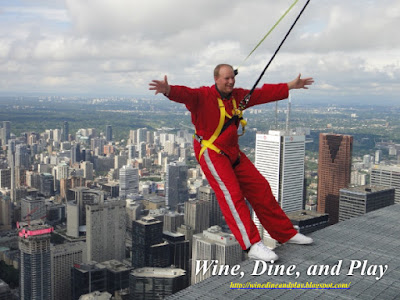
x=367, y=189
x=369, y=242
x=158, y=272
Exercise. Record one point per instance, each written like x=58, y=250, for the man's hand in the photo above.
x=160, y=86
x=299, y=83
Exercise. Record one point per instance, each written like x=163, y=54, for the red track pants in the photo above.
x=232, y=186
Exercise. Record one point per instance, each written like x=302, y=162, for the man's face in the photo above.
x=226, y=80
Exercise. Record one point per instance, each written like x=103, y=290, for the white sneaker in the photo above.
x=262, y=252
x=300, y=239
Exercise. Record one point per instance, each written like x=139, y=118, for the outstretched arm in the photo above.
x=300, y=83
x=160, y=86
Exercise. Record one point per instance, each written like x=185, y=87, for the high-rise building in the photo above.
x=5, y=213
x=22, y=157
x=11, y=154
x=131, y=152
x=65, y=131
x=105, y=230
x=334, y=171
x=142, y=150
x=63, y=258
x=214, y=246
x=280, y=159
x=149, y=137
x=388, y=176
x=176, y=185
x=179, y=250
x=356, y=201
x=97, y=145
x=146, y=242
x=378, y=156
x=35, y=260
x=128, y=181
x=5, y=178
x=87, y=278
x=46, y=185
x=87, y=167
x=75, y=154
x=156, y=283
x=109, y=135
x=33, y=208
x=197, y=214
x=5, y=132
x=141, y=135
x=117, y=275
x=57, y=136
x=77, y=199
x=120, y=161
x=173, y=220
x=206, y=193
x=133, y=137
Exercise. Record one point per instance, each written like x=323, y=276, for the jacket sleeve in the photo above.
x=184, y=95
x=269, y=93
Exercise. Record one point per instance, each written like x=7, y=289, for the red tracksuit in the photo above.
x=232, y=184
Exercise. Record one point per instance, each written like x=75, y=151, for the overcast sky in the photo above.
x=115, y=47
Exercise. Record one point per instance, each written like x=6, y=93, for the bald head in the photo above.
x=224, y=77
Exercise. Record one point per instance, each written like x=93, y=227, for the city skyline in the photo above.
x=87, y=217
x=71, y=47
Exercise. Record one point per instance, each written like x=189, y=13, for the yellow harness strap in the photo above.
x=222, y=114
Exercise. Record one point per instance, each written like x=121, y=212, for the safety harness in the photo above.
x=237, y=114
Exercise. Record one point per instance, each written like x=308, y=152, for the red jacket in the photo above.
x=203, y=104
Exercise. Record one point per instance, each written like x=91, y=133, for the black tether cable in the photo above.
x=243, y=103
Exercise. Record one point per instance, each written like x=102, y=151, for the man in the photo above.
x=232, y=176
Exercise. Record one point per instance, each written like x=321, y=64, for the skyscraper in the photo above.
x=5, y=178
x=334, y=171
x=35, y=260
x=77, y=199
x=63, y=258
x=105, y=230
x=87, y=167
x=22, y=158
x=131, y=152
x=141, y=135
x=172, y=221
x=117, y=275
x=176, y=185
x=46, y=184
x=206, y=193
x=128, y=181
x=87, y=278
x=5, y=132
x=280, y=159
x=388, y=176
x=33, y=208
x=75, y=153
x=65, y=131
x=179, y=250
x=212, y=245
x=356, y=201
x=146, y=241
x=109, y=135
x=5, y=213
x=197, y=214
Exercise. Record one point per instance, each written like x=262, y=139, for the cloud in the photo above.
x=117, y=47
